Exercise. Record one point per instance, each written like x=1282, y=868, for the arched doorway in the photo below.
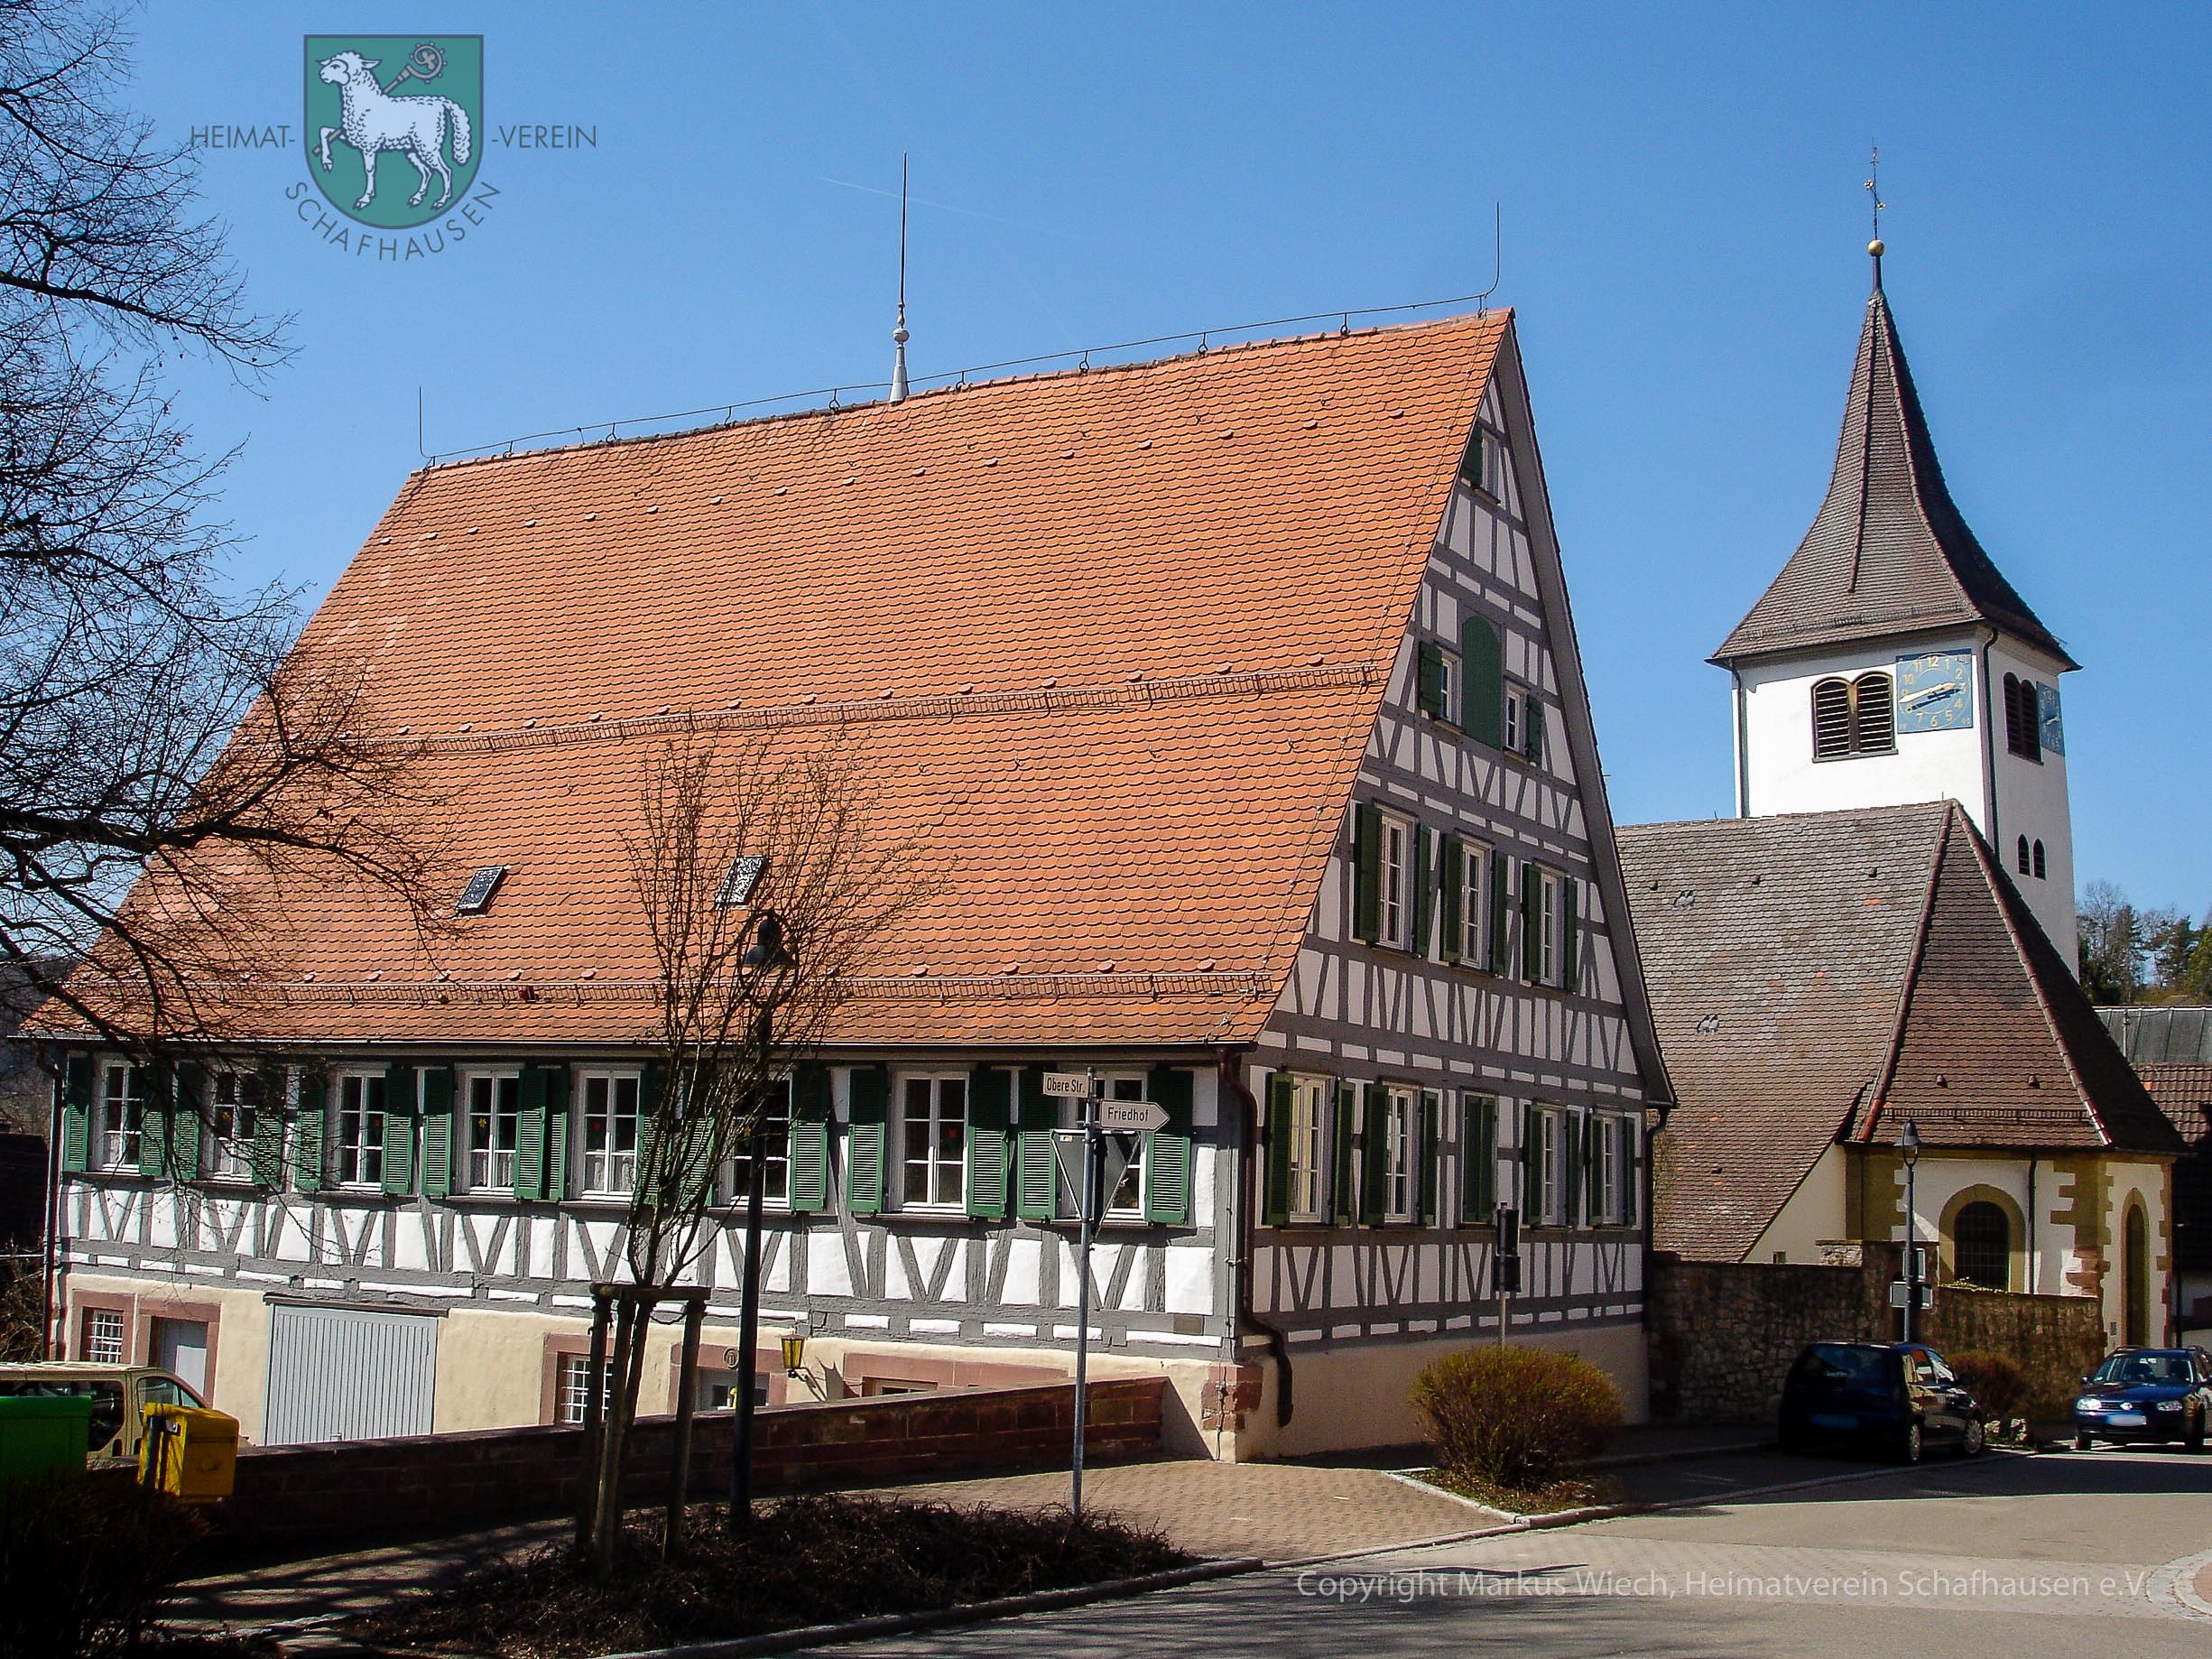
x=1981, y=1245
x=2135, y=1279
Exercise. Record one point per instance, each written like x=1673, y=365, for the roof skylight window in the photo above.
x=476, y=896
x=745, y=874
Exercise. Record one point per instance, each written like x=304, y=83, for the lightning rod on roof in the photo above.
x=898, y=335
x=1497, y=257
x=1873, y=194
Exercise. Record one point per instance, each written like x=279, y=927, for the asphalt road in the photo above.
x=2013, y=1557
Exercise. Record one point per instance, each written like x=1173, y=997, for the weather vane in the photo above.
x=1874, y=188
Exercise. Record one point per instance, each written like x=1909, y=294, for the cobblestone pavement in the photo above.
x=2012, y=1558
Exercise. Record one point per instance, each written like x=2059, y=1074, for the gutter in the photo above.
x=1240, y=1233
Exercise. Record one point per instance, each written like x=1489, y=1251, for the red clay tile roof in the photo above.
x=1889, y=552
x=1110, y=643
x=1814, y=975
x=2183, y=1091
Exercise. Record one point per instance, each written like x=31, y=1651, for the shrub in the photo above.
x=86, y=1565
x=1996, y=1383
x=1514, y=1417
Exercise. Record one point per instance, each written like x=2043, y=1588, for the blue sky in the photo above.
x=1684, y=227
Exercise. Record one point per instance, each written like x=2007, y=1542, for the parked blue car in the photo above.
x=2146, y=1394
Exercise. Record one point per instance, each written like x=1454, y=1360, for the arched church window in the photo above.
x=1854, y=717
x=2021, y=855
x=1981, y=1245
x=2040, y=870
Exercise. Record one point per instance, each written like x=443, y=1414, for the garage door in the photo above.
x=348, y=1374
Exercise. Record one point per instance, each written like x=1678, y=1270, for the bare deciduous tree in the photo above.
x=750, y=973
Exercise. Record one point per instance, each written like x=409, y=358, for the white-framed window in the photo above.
x=1548, y=924
x=610, y=1122
x=234, y=1100
x=933, y=1139
x=1447, y=667
x=1516, y=721
x=495, y=1119
x=123, y=1115
x=359, y=1138
x=103, y=1342
x=775, y=1145
x=1127, y=1198
x=1401, y=1155
x=1395, y=853
x=573, y=1393
x=1475, y=904
x=1605, y=1189
x=1309, y=1112
x=1546, y=1167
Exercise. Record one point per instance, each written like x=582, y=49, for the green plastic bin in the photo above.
x=43, y=1435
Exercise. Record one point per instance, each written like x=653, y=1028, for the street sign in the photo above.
x=1114, y=1152
x=1897, y=1294
x=1067, y=1085
x=1133, y=1117
x=1508, y=1221
x=1508, y=1275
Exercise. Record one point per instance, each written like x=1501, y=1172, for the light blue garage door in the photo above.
x=348, y=1374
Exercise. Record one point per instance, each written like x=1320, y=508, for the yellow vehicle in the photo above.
x=120, y=1396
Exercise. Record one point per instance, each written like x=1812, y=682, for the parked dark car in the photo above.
x=1900, y=1398
x=2146, y=1394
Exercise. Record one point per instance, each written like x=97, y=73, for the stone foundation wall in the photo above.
x=1723, y=1334
x=361, y=1488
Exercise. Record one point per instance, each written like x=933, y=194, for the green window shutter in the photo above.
x=1471, y=461
x=1482, y=682
x=437, y=1131
x=1424, y=902
x=77, y=1113
x=1632, y=1171
x=1428, y=676
x=399, y=1128
x=1532, y=718
x=990, y=1116
x=154, y=1118
x=1532, y=922
x=1275, y=1188
x=1478, y=1158
x=651, y=1096
x=1367, y=871
x=1036, y=1187
x=1167, y=1151
x=1530, y=1155
x=1576, y=1131
x=1571, y=934
x=810, y=1139
x=185, y=1124
x=1373, y=1155
x=1343, y=1146
x=1431, y=1141
x=1501, y=911
x=557, y=1133
x=1450, y=878
x=310, y=1150
x=866, y=1123
x=529, y=1134
x=265, y=1153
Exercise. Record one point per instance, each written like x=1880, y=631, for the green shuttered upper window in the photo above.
x=357, y=1143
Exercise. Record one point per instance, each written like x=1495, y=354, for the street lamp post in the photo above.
x=766, y=954
x=1908, y=1149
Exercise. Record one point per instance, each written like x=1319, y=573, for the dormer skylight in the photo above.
x=745, y=874
x=476, y=896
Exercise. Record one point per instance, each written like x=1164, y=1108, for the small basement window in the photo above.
x=476, y=896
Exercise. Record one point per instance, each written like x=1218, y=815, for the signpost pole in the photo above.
x=1086, y=1202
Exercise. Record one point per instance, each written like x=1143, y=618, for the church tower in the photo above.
x=1891, y=661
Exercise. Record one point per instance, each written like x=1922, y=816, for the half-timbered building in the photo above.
x=1233, y=704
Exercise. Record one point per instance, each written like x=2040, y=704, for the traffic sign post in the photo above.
x=1508, y=1264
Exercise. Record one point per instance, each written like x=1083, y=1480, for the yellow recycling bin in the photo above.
x=188, y=1452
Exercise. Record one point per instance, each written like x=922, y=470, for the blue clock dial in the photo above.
x=1935, y=691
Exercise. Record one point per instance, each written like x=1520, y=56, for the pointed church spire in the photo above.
x=1889, y=553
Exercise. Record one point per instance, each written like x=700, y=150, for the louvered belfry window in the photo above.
x=2022, y=718
x=1854, y=717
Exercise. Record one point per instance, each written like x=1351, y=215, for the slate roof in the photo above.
x=1818, y=977
x=1110, y=643
x=1889, y=552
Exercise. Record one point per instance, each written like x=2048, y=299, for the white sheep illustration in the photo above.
x=373, y=121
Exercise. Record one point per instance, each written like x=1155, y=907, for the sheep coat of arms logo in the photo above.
x=394, y=123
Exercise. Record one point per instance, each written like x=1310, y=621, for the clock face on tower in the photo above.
x=1935, y=691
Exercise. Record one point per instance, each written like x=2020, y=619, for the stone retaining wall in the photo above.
x=360, y=1487
x=1722, y=1333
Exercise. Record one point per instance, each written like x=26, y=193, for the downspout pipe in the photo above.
x=1232, y=1085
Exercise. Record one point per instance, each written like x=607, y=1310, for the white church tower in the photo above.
x=1891, y=661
